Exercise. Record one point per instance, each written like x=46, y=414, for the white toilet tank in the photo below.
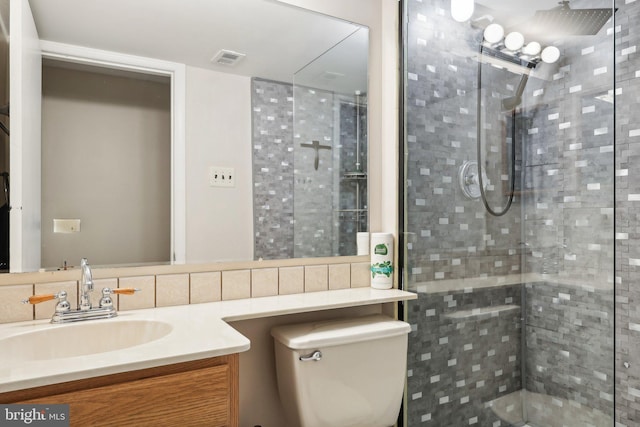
x=352, y=371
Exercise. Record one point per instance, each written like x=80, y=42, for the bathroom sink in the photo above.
x=81, y=339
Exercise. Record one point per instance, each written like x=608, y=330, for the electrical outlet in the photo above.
x=222, y=177
x=66, y=225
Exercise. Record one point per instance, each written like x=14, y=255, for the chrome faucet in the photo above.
x=63, y=312
x=86, y=286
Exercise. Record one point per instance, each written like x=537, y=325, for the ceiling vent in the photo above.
x=227, y=57
x=332, y=75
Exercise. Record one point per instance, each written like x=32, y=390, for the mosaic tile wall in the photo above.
x=567, y=189
x=466, y=358
x=286, y=180
x=470, y=346
x=353, y=215
x=451, y=236
x=569, y=159
x=313, y=199
x=627, y=151
x=569, y=346
x=272, y=147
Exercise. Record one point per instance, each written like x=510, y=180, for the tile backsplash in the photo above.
x=167, y=289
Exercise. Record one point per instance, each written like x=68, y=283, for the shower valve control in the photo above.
x=222, y=177
x=469, y=180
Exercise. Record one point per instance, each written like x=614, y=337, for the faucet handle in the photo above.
x=125, y=291
x=37, y=299
x=106, y=300
x=63, y=305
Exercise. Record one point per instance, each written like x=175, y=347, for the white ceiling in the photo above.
x=278, y=39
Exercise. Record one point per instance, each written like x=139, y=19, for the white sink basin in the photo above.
x=37, y=353
x=81, y=339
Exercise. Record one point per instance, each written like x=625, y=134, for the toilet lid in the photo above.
x=340, y=331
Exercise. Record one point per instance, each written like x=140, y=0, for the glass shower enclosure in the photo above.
x=508, y=214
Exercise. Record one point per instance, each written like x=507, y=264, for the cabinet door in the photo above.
x=202, y=397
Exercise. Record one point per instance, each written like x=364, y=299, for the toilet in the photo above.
x=342, y=373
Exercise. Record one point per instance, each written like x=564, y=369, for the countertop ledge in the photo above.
x=199, y=331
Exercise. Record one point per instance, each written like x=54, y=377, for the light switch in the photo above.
x=66, y=225
x=222, y=177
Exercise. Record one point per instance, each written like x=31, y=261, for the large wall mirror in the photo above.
x=248, y=141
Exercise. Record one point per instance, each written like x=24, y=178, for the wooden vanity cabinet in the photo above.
x=197, y=393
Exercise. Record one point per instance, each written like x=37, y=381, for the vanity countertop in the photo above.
x=198, y=331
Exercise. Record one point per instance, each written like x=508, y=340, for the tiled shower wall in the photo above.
x=313, y=196
x=460, y=358
x=569, y=167
x=466, y=354
x=569, y=349
x=353, y=216
x=561, y=223
x=627, y=216
x=568, y=208
x=286, y=180
x=450, y=235
x=272, y=148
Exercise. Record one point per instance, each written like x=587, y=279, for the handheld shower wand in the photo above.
x=511, y=103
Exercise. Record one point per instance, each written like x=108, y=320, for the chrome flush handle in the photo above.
x=313, y=357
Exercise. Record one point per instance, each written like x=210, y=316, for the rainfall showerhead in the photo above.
x=564, y=21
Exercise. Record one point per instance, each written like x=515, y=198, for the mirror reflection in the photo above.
x=275, y=135
x=321, y=165
x=106, y=165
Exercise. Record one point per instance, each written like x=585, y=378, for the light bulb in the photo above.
x=462, y=10
x=532, y=48
x=514, y=41
x=550, y=54
x=493, y=33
